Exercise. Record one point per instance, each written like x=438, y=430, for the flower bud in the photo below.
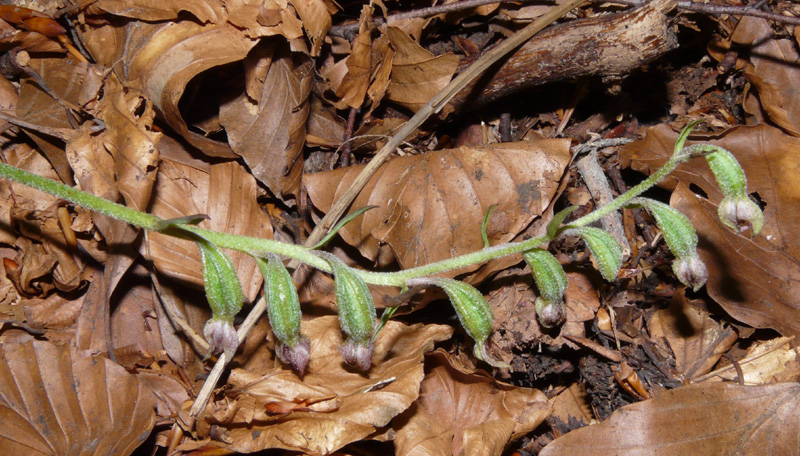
x=283, y=309
x=550, y=313
x=737, y=210
x=296, y=355
x=473, y=312
x=741, y=214
x=225, y=296
x=357, y=315
x=221, y=337
x=357, y=354
x=691, y=271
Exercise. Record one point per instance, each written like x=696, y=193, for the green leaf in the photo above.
x=605, y=250
x=347, y=219
x=222, y=285
x=485, y=224
x=551, y=280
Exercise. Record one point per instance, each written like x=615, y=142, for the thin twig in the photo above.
x=348, y=30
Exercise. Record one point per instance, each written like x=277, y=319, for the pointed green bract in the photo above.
x=344, y=221
x=682, y=137
x=558, y=219
x=547, y=272
x=678, y=231
x=485, y=224
x=605, y=250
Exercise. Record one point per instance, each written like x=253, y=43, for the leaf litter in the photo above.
x=217, y=108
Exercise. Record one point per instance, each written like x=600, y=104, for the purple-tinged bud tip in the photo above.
x=296, y=356
x=551, y=314
x=358, y=354
x=221, y=337
x=741, y=214
x=691, y=271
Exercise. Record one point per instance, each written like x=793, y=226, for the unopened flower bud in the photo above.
x=691, y=271
x=473, y=312
x=357, y=315
x=357, y=354
x=550, y=313
x=741, y=214
x=296, y=356
x=221, y=337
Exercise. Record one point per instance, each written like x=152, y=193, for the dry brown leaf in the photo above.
x=696, y=340
x=573, y=404
x=773, y=70
x=417, y=74
x=333, y=404
x=53, y=401
x=756, y=281
x=160, y=59
x=350, y=78
x=708, y=419
x=430, y=207
x=771, y=361
x=266, y=125
x=160, y=10
x=466, y=414
x=325, y=127
x=225, y=192
x=316, y=17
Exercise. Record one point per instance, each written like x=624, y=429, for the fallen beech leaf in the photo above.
x=466, y=414
x=53, y=401
x=344, y=405
x=709, y=419
x=772, y=69
x=266, y=124
x=697, y=340
x=353, y=86
x=316, y=18
x=431, y=206
x=160, y=10
x=417, y=74
x=225, y=192
x=771, y=361
x=757, y=281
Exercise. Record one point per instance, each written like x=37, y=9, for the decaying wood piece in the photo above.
x=609, y=45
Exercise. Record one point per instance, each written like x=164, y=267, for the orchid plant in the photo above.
x=357, y=315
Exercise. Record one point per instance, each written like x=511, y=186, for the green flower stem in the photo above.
x=87, y=200
x=262, y=247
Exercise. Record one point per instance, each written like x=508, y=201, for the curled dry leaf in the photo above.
x=712, y=419
x=697, y=340
x=53, y=401
x=756, y=280
x=466, y=414
x=430, y=206
x=417, y=75
x=772, y=69
x=332, y=405
x=266, y=124
x=225, y=192
x=160, y=10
